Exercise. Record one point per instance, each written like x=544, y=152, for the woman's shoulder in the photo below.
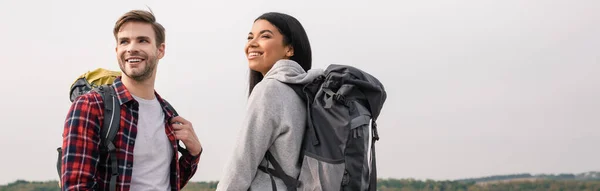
x=273, y=93
x=272, y=88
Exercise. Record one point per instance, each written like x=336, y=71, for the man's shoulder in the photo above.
x=91, y=96
x=85, y=109
x=91, y=99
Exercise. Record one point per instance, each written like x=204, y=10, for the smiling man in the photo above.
x=147, y=139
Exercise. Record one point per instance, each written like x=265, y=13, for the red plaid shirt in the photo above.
x=85, y=168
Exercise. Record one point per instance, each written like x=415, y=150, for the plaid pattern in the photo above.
x=84, y=167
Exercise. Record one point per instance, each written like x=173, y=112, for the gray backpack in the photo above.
x=338, y=149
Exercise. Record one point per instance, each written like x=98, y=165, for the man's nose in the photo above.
x=132, y=47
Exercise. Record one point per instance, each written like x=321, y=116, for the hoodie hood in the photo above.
x=289, y=71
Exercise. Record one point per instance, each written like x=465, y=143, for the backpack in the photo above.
x=100, y=80
x=338, y=148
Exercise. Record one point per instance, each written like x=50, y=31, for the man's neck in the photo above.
x=143, y=89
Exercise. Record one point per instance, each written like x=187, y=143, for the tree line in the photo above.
x=385, y=185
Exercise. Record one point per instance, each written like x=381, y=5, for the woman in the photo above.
x=278, y=52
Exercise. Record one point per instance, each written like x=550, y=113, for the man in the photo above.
x=146, y=142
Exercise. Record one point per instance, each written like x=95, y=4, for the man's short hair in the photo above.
x=144, y=17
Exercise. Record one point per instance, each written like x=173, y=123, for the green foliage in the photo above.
x=517, y=184
x=22, y=185
x=413, y=185
x=201, y=186
x=553, y=183
x=549, y=185
x=564, y=176
x=498, y=177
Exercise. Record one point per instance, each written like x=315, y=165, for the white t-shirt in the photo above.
x=152, y=152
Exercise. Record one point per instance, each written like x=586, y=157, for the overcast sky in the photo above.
x=475, y=87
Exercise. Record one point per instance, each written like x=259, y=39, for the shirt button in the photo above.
x=128, y=165
x=131, y=142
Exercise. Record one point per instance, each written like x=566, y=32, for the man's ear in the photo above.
x=161, y=50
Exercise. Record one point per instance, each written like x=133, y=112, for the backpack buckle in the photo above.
x=110, y=147
x=340, y=98
x=318, y=80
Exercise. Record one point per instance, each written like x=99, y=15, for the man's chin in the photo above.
x=138, y=78
x=133, y=71
x=132, y=75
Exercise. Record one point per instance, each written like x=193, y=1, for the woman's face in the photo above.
x=265, y=47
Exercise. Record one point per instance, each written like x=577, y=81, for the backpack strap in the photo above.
x=373, y=179
x=112, y=120
x=373, y=182
x=175, y=114
x=306, y=92
x=170, y=108
x=291, y=183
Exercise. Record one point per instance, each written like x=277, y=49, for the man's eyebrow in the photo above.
x=139, y=38
x=143, y=37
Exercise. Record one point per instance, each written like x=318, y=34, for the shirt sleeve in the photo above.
x=188, y=165
x=80, y=147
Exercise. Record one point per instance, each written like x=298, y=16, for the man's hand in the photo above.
x=185, y=132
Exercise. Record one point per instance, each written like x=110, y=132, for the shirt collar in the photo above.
x=125, y=96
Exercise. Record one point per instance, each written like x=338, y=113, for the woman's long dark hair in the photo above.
x=294, y=35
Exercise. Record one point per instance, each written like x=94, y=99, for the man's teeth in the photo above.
x=254, y=54
x=134, y=60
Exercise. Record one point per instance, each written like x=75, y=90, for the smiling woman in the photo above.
x=265, y=46
x=276, y=36
x=278, y=52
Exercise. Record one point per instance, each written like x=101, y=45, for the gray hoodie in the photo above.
x=275, y=121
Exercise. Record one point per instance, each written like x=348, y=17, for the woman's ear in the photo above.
x=289, y=52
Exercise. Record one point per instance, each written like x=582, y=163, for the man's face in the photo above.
x=137, y=52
